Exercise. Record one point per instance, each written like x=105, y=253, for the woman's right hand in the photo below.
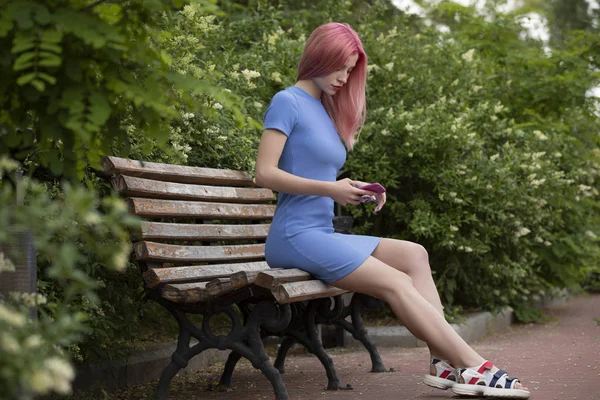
x=345, y=192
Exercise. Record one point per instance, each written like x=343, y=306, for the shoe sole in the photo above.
x=437, y=382
x=480, y=390
x=506, y=393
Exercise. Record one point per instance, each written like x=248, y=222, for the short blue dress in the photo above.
x=301, y=233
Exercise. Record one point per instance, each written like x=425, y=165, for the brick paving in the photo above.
x=558, y=360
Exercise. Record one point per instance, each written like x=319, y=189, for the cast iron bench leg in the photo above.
x=357, y=327
x=303, y=330
x=232, y=361
x=286, y=344
x=244, y=340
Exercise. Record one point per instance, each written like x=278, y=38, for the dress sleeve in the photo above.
x=282, y=113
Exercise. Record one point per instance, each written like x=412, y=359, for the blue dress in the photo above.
x=301, y=233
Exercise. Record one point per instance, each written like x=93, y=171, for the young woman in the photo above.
x=307, y=129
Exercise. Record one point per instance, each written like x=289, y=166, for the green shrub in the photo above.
x=75, y=233
x=486, y=143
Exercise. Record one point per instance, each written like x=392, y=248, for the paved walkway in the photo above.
x=559, y=360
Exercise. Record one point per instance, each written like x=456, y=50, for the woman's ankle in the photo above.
x=469, y=362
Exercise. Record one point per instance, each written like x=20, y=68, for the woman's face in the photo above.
x=333, y=82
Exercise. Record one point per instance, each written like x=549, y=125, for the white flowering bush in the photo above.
x=76, y=235
x=485, y=165
x=32, y=362
x=208, y=133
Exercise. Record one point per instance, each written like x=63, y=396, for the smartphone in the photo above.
x=366, y=198
x=373, y=187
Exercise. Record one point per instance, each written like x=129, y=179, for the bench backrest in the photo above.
x=193, y=215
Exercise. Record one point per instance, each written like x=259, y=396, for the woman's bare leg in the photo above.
x=412, y=259
x=384, y=282
x=378, y=279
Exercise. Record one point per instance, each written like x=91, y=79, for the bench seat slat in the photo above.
x=152, y=251
x=164, y=230
x=305, y=290
x=155, y=277
x=177, y=173
x=186, y=292
x=273, y=278
x=219, y=286
x=198, y=209
x=134, y=186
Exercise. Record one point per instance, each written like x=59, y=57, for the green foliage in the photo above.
x=486, y=142
x=74, y=70
x=528, y=314
x=490, y=153
x=75, y=232
x=77, y=77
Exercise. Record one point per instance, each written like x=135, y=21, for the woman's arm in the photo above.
x=269, y=175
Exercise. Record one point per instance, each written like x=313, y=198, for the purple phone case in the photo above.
x=373, y=187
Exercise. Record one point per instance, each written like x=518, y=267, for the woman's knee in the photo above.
x=418, y=260
x=400, y=284
x=420, y=253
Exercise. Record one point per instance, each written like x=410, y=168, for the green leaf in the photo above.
x=51, y=47
x=25, y=79
x=23, y=66
x=99, y=109
x=6, y=26
x=48, y=78
x=112, y=13
x=39, y=85
x=23, y=58
x=51, y=36
x=42, y=15
x=22, y=15
x=21, y=44
x=50, y=60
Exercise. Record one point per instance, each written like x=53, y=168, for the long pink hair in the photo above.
x=326, y=50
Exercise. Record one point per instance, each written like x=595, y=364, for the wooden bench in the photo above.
x=201, y=251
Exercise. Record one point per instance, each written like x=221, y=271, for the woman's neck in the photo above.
x=310, y=87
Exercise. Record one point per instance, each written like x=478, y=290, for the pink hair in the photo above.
x=327, y=50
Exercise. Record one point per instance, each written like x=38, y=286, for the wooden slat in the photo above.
x=133, y=186
x=186, y=292
x=306, y=290
x=243, y=278
x=176, y=173
x=159, y=276
x=198, y=209
x=152, y=251
x=219, y=286
x=162, y=230
x=272, y=279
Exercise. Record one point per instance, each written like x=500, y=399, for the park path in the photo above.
x=558, y=360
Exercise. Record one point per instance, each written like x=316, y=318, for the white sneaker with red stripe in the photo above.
x=480, y=381
x=442, y=375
